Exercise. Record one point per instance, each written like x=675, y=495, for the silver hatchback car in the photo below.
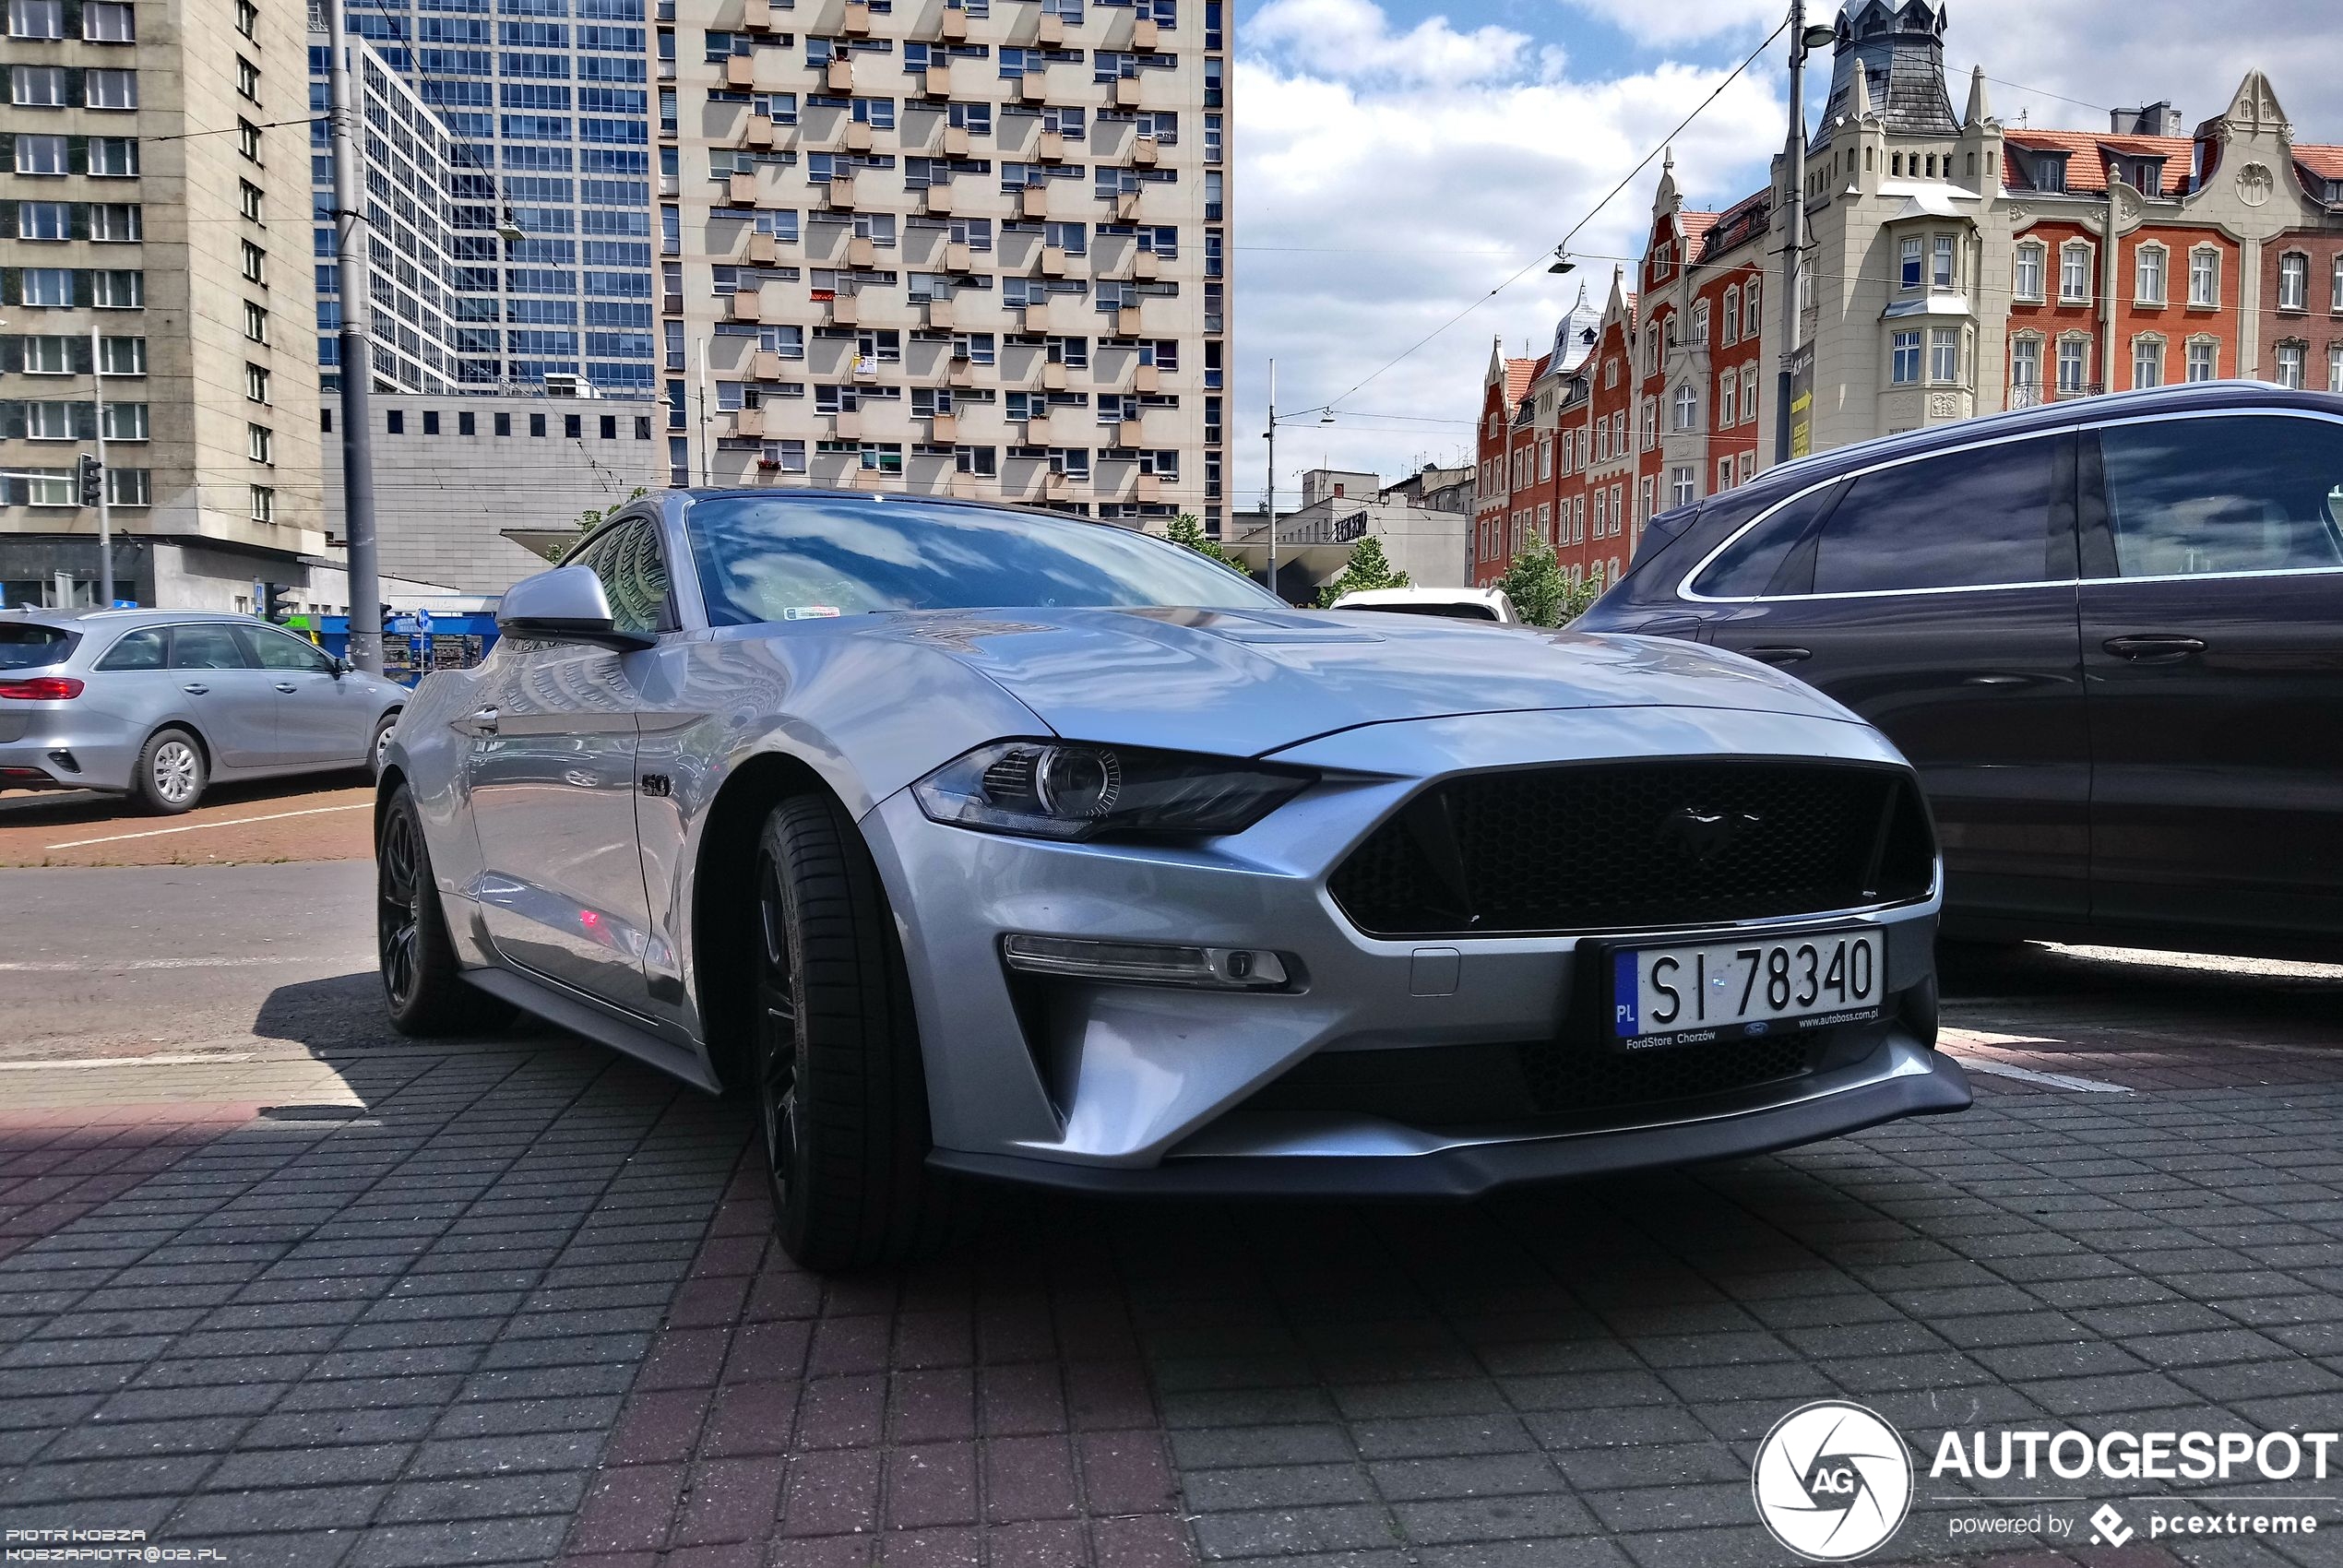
x=157, y=704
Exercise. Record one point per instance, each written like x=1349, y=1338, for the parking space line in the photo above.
x=194, y=827
x=174, y=1060
x=2048, y=1080
x=100, y=965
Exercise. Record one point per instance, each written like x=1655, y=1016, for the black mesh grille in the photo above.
x=1627, y=845
x=1563, y=1078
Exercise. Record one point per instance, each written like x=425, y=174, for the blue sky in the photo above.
x=1397, y=159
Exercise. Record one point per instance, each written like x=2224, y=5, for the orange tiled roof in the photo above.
x=2325, y=163
x=1519, y=373
x=1695, y=224
x=2088, y=150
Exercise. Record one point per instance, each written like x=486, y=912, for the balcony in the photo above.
x=839, y=76
x=936, y=81
x=942, y=428
x=1126, y=207
x=757, y=15
x=1058, y=487
x=941, y=313
x=955, y=141
x=740, y=72
x=954, y=25
x=838, y=194
x=763, y=250
x=748, y=305
x=936, y=201
x=857, y=137
x=861, y=253
x=1052, y=262
x=962, y=373
x=858, y=18
x=1033, y=201
x=865, y=370
x=1145, y=151
x=1053, y=376
x=845, y=426
x=1146, y=266
x=1049, y=146
x=1147, y=378
x=957, y=257
x=1050, y=31
x=1151, y=486
x=748, y=422
x=844, y=310
x=1127, y=92
x=1033, y=87
x=740, y=190
x=761, y=132
x=1144, y=34
x=765, y=365
x=2028, y=394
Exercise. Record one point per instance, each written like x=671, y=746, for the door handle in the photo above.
x=485, y=721
x=2160, y=647
x=286, y=687
x=1996, y=680
x=1778, y=655
x=196, y=688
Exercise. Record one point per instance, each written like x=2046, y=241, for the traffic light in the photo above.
x=276, y=603
x=89, y=480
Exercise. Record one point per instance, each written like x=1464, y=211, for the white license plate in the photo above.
x=1730, y=988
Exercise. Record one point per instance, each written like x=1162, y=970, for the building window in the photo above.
x=1940, y=262
x=260, y=444
x=1729, y=317
x=1907, y=267
x=248, y=139
x=2025, y=372
x=2335, y=284
x=1943, y=353
x=1680, y=487
x=247, y=17
x=263, y=503
x=2205, y=277
x=1903, y=358
x=248, y=79
x=2147, y=275
x=36, y=18
x=2147, y=362
x=2074, y=272
x=2074, y=365
x=2290, y=365
x=2334, y=367
x=257, y=383
x=2204, y=359
x=1687, y=408
x=248, y=200
x=1729, y=400
x=37, y=87
x=255, y=323
x=1752, y=321
x=2028, y=283
x=109, y=21
x=2294, y=281
x=110, y=89
x=256, y=264
x=1700, y=321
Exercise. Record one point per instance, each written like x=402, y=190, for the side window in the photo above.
x=1746, y=567
x=140, y=649
x=634, y=575
x=282, y=650
x=2259, y=494
x=1966, y=519
x=206, y=646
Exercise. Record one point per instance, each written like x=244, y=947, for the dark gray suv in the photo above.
x=2109, y=631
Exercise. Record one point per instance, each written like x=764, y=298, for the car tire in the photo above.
x=172, y=773
x=840, y=1093
x=380, y=743
x=424, y=987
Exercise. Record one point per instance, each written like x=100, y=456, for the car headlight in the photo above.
x=1063, y=790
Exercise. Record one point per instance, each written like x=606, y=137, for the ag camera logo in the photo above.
x=1833, y=1480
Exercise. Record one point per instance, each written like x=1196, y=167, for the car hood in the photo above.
x=1245, y=683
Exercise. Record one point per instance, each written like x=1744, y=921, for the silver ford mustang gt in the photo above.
x=980, y=842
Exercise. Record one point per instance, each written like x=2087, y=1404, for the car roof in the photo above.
x=103, y=620
x=876, y=497
x=2194, y=397
x=1423, y=596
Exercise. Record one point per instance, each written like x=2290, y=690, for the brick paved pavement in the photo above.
x=354, y=1301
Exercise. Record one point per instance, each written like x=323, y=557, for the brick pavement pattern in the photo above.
x=514, y=1302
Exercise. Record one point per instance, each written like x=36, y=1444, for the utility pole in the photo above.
x=1794, y=252
x=357, y=357
x=105, y=482
x=706, y=479
x=1270, y=496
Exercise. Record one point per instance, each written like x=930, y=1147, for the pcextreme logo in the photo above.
x=1833, y=1480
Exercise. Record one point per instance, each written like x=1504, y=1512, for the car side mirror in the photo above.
x=342, y=665
x=567, y=604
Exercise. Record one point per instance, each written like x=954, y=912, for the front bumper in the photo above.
x=1163, y=1088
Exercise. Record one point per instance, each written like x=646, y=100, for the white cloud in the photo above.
x=1687, y=22
x=1377, y=198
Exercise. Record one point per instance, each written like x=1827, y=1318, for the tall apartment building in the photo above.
x=154, y=251
x=970, y=247
x=547, y=110
x=406, y=173
x=1953, y=265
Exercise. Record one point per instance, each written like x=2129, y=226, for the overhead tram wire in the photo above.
x=1730, y=76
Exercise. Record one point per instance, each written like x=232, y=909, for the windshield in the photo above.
x=26, y=648
x=808, y=557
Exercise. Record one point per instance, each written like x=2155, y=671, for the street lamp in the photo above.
x=1270, y=496
x=1562, y=262
x=1803, y=40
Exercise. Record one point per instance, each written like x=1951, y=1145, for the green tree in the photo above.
x=1187, y=533
x=1368, y=568
x=588, y=521
x=1541, y=595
